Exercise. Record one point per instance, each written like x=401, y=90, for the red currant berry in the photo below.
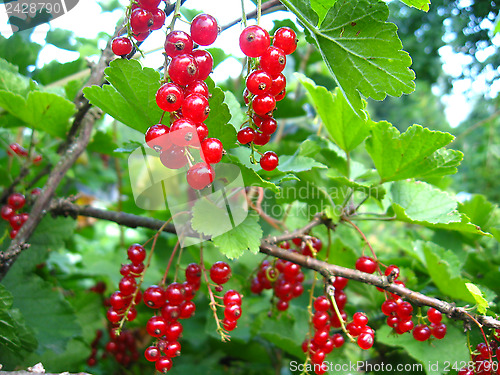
x=268, y=126
x=13, y=233
x=121, y=46
x=16, y=221
x=113, y=316
x=183, y=132
x=140, y=37
x=174, y=294
x=204, y=29
x=197, y=87
x=321, y=336
x=390, y=269
x=220, y=272
x=255, y=286
x=131, y=314
x=278, y=85
x=273, y=61
x=202, y=131
x=365, y=341
x=170, y=313
x=392, y=321
x=196, y=108
x=434, y=316
x=136, y=254
x=360, y=319
x=466, y=371
x=340, y=282
x=282, y=305
x=439, y=331
x=354, y=330
x=405, y=326
x=389, y=307
x=264, y=105
x=149, y=4
x=328, y=346
x=173, y=349
x=141, y=20
x=258, y=82
x=17, y=149
x=7, y=212
x=421, y=332
x=280, y=96
x=404, y=310
x=169, y=97
x=37, y=159
x=338, y=340
x=211, y=150
x=232, y=312
x=178, y=42
x=322, y=304
x=200, y=175
x=163, y=364
x=183, y=69
x=173, y=331
x=254, y=41
x=285, y=39
x=193, y=272
x=269, y=161
x=118, y=301
x=318, y=356
x=157, y=137
x=156, y=326
x=174, y=158
x=127, y=285
x=232, y=297
x=187, y=309
x=320, y=319
x=366, y=264
x=158, y=19
x=205, y=63
x=246, y=135
x=154, y=297
x=16, y=201
x=229, y=325
x=189, y=290
x=152, y=354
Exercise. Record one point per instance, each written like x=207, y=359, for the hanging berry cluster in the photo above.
x=265, y=85
x=16, y=148
x=10, y=212
x=485, y=358
x=143, y=17
x=185, y=97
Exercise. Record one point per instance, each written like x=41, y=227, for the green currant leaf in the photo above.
x=361, y=50
x=452, y=349
x=346, y=128
x=5, y=298
x=419, y=4
x=130, y=97
x=417, y=202
x=245, y=236
x=250, y=176
x=209, y=218
x=42, y=111
x=482, y=304
x=415, y=153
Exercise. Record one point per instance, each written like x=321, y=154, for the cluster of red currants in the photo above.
x=143, y=17
x=265, y=84
x=123, y=348
x=485, y=359
x=16, y=148
x=185, y=97
x=174, y=302
x=220, y=273
x=9, y=212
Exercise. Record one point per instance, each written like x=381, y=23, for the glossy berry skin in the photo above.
x=268, y=126
x=149, y=4
x=13, y=234
x=183, y=132
x=280, y=96
x=196, y=108
x=136, y=254
x=156, y=326
x=246, y=135
x=183, y=69
x=16, y=221
x=7, y=212
x=202, y=131
x=205, y=63
x=322, y=304
x=154, y=297
x=232, y=297
x=193, y=272
x=365, y=341
x=174, y=158
x=273, y=61
x=285, y=39
x=220, y=272
x=140, y=37
x=177, y=43
x=169, y=97
x=261, y=139
x=211, y=150
x=269, y=161
x=163, y=364
x=229, y=325
x=127, y=285
x=421, y=332
x=389, y=307
x=158, y=19
x=232, y=312
x=121, y=46
x=152, y=353
x=278, y=85
x=174, y=294
x=113, y=316
x=264, y=104
x=404, y=310
x=204, y=29
x=390, y=269
x=157, y=137
x=434, y=316
x=187, y=309
x=360, y=319
x=258, y=82
x=141, y=20
x=16, y=201
x=197, y=87
x=254, y=41
x=320, y=319
x=17, y=149
x=439, y=331
x=173, y=349
x=200, y=175
x=366, y=264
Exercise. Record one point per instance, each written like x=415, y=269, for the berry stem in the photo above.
x=243, y=14
x=330, y=292
x=482, y=332
x=163, y=281
x=258, y=208
x=213, y=304
x=259, y=11
x=366, y=241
